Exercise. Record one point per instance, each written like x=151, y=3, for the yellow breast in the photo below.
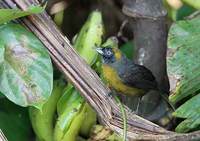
x=114, y=81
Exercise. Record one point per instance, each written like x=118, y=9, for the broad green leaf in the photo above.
x=65, y=118
x=70, y=96
x=75, y=125
x=193, y=3
x=26, y=74
x=183, y=70
x=14, y=121
x=10, y=14
x=183, y=59
x=190, y=110
x=91, y=117
x=89, y=37
x=43, y=120
x=67, y=98
x=189, y=124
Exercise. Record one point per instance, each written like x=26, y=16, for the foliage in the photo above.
x=183, y=69
x=128, y=49
x=25, y=62
x=43, y=120
x=14, y=121
x=193, y=3
x=72, y=108
x=89, y=37
x=26, y=75
x=10, y=14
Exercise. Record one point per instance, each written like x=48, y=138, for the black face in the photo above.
x=107, y=54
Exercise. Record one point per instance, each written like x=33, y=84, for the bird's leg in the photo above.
x=138, y=105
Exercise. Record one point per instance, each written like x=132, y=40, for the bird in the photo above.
x=124, y=75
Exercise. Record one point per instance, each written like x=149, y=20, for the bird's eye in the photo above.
x=109, y=53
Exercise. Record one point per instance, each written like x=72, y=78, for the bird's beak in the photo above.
x=99, y=50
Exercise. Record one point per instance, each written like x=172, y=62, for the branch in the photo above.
x=2, y=136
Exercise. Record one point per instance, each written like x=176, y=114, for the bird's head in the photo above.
x=109, y=55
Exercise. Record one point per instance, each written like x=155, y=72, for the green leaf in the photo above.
x=183, y=59
x=183, y=70
x=180, y=13
x=10, y=14
x=193, y=3
x=43, y=120
x=91, y=120
x=75, y=125
x=191, y=111
x=26, y=74
x=14, y=121
x=128, y=49
x=189, y=124
x=70, y=95
x=1, y=95
x=184, y=11
x=89, y=37
x=71, y=110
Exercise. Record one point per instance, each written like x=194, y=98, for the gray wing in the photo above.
x=138, y=76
